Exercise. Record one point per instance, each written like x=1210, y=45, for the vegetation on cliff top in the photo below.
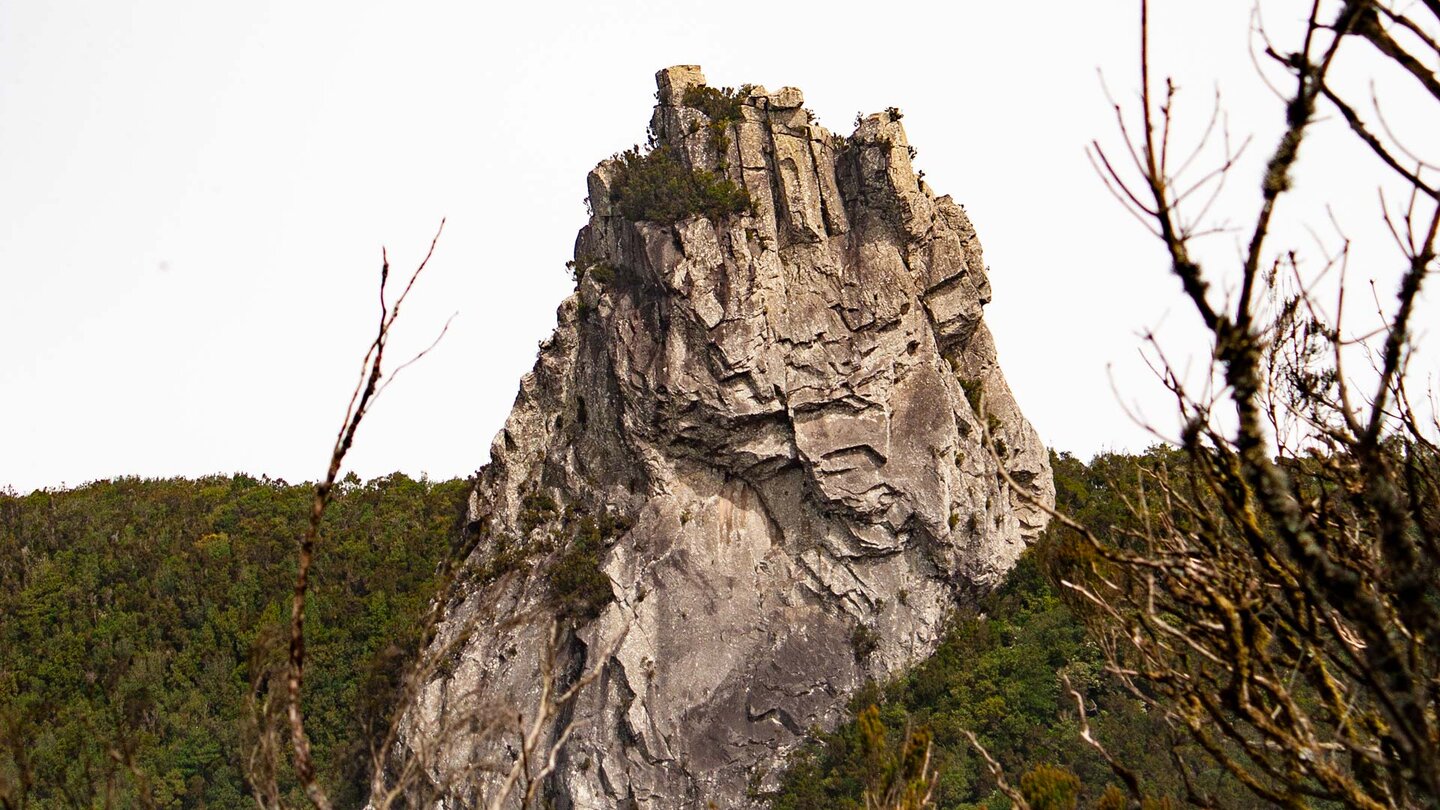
x=722, y=106
x=657, y=186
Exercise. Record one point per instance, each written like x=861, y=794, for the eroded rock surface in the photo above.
x=778, y=411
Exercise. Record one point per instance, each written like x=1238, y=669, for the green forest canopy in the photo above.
x=135, y=614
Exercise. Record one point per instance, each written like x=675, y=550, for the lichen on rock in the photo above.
x=768, y=409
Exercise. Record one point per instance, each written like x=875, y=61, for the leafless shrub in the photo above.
x=1274, y=591
x=402, y=770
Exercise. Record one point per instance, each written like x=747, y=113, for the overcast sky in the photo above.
x=193, y=199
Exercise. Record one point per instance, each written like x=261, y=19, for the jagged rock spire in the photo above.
x=780, y=410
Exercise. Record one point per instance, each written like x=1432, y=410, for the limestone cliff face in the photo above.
x=776, y=410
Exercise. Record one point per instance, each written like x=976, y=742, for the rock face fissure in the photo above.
x=773, y=418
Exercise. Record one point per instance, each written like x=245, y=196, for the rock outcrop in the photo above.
x=768, y=429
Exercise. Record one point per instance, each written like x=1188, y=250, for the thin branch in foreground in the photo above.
x=997, y=772
x=372, y=380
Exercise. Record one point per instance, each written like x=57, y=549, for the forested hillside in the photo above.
x=136, y=616
x=998, y=674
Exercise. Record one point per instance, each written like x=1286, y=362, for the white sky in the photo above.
x=193, y=198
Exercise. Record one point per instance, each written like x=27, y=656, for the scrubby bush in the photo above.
x=581, y=586
x=657, y=186
x=721, y=105
x=1048, y=787
x=599, y=269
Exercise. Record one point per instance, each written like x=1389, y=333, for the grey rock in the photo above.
x=672, y=82
x=787, y=98
x=778, y=408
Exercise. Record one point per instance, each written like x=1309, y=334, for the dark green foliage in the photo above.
x=1094, y=494
x=133, y=612
x=581, y=588
x=535, y=509
x=656, y=186
x=571, y=547
x=997, y=674
x=504, y=556
x=893, y=775
x=994, y=674
x=974, y=393
x=864, y=640
x=602, y=271
x=722, y=106
x=718, y=103
x=567, y=548
x=974, y=388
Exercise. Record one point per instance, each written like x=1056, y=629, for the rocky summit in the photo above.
x=759, y=461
